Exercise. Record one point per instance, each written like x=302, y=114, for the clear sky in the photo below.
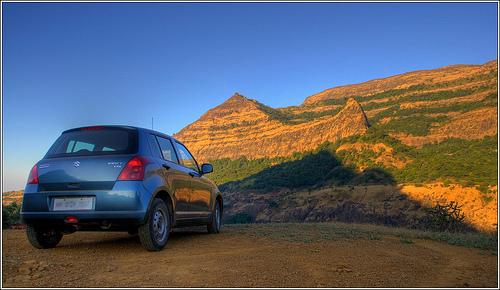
x=68, y=65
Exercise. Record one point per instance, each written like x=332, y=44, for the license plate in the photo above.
x=73, y=203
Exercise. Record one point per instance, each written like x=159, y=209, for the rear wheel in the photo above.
x=42, y=237
x=214, y=226
x=154, y=233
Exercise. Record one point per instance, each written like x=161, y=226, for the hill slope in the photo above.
x=442, y=77
x=422, y=128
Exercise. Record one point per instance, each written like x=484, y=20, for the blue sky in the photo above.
x=68, y=65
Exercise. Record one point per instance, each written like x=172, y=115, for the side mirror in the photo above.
x=206, y=168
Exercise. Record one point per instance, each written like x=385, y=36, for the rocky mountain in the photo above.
x=416, y=108
x=241, y=127
x=431, y=131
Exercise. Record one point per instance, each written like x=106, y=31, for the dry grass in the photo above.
x=313, y=232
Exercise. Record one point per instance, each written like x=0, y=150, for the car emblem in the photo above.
x=76, y=163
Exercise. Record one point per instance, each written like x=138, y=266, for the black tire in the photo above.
x=216, y=223
x=154, y=233
x=43, y=238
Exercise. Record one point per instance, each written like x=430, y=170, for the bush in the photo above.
x=483, y=188
x=10, y=215
x=240, y=218
x=448, y=217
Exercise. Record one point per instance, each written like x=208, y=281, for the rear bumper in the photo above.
x=126, y=203
x=121, y=217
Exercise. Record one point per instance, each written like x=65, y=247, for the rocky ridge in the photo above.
x=241, y=127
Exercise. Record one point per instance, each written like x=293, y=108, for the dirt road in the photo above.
x=248, y=256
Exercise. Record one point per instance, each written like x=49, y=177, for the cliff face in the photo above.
x=245, y=128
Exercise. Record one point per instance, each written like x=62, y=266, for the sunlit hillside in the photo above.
x=434, y=130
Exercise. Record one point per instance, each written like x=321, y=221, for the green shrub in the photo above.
x=405, y=240
x=483, y=188
x=417, y=125
x=487, y=199
x=446, y=217
x=240, y=218
x=10, y=215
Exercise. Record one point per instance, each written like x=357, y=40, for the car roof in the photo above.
x=156, y=133
x=123, y=127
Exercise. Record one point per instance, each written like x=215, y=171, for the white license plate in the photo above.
x=73, y=203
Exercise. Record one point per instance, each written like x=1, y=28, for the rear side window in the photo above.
x=186, y=157
x=153, y=144
x=101, y=141
x=167, y=149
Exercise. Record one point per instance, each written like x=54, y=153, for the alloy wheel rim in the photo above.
x=159, y=226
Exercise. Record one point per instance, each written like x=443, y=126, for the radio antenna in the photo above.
x=152, y=128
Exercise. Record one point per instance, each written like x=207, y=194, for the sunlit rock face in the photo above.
x=241, y=127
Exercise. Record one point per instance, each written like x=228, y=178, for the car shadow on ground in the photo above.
x=125, y=241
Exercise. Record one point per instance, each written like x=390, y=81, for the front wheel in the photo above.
x=42, y=237
x=214, y=226
x=154, y=233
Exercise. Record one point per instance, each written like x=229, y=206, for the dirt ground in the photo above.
x=246, y=256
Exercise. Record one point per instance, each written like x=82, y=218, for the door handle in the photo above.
x=166, y=166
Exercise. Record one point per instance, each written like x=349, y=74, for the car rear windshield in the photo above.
x=95, y=141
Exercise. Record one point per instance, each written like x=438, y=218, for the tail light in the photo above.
x=33, y=177
x=134, y=170
x=71, y=219
x=92, y=128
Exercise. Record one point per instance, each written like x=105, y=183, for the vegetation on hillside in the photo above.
x=415, y=121
x=468, y=162
x=417, y=125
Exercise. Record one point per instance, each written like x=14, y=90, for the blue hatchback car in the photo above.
x=118, y=178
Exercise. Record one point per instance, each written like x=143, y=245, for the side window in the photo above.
x=153, y=144
x=186, y=158
x=79, y=146
x=167, y=149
